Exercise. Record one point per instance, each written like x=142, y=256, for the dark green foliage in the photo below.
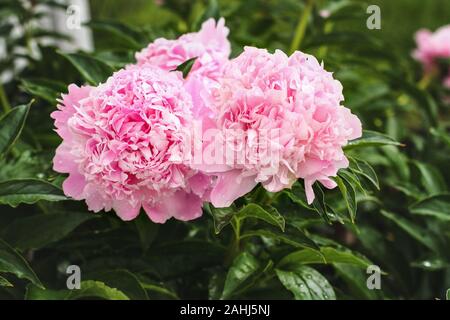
x=391, y=207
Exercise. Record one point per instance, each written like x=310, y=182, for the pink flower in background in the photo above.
x=433, y=46
x=122, y=143
x=211, y=48
x=298, y=103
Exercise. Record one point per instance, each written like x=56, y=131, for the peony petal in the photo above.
x=74, y=185
x=125, y=210
x=230, y=186
x=63, y=161
x=157, y=213
x=309, y=191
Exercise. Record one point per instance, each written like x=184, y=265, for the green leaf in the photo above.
x=271, y=216
x=364, y=169
x=128, y=34
x=12, y=262
x=356, y=280
x=37, y=231
x=15, y=192
x=414, y=230
x=306, y=283
x=431, y=178
x=370, y=139
x=157, y=288
x=180, y=257
x=326, y=255
x=4, y=282
x=211, y=11
x=221, y=216
x=294, y=238
x=11, y=125
x=122, y=280
x=319, y=202
x=147, y=230
x=442, y=135
x=447, y=294
x=92, y=69
x=349, y=195
x=89, y=289
x=186, y=67
x=432, y=264
x=243, y=267
x=436, y=206
x=46, y=89
x=352, y=179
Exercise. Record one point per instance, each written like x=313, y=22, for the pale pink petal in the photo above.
x=63, y=161
x=230, y=186
x=125, y=210
x=74, y=185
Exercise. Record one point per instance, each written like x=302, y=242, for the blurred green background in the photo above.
x=400, y=18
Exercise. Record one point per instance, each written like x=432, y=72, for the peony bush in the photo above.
x=224, y=150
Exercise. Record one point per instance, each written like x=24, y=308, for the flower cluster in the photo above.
x=431, y=47
x=128, y=143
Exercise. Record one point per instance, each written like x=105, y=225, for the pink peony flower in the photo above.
x=209, y=45
x=211, y=48
x=289, y=109
x=122, y=143
x=432, y=46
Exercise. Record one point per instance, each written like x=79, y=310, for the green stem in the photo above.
x=426, y=80
x=4, y=100
x=324, y=49
x=301, y=26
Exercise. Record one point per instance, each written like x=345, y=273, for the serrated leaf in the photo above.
x=11, y=125
x=437, y=206
x=371, y=139
x=12, y=262
x=37, y=231
x=29, y=191
x=92, y=69
x=306, y=283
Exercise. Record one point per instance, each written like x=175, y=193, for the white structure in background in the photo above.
x=69, y=22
